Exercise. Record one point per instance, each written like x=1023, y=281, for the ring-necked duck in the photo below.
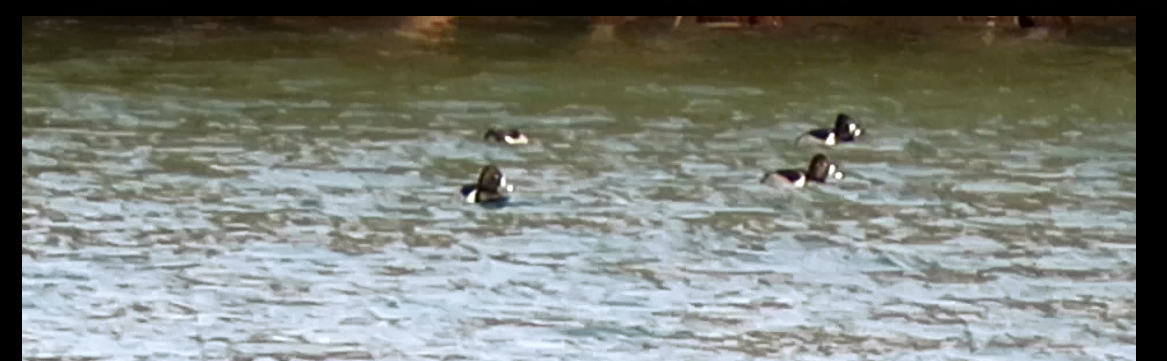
x=513, y=136
x=846, y=130
x=491, y=183
x=820, y=170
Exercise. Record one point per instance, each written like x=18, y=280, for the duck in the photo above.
x=512, y=136
x=489, y=188
x=819, y=171
x=846, y=130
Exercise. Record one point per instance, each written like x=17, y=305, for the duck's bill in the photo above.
x=834, y=172
x=506, y=186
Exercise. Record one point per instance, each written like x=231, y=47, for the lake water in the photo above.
x=218, y=193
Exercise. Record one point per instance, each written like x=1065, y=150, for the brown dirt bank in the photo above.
x=1109, y=30
x=712, y=21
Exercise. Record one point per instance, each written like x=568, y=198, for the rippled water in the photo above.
x=221, y=193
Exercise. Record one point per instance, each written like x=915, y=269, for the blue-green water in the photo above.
x=215, y=193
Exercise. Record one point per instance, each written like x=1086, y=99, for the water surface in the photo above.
x=215, y=192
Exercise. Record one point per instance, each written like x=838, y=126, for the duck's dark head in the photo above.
x=513, y=136
x=492, y=180
x=845, y=126
x=489, y=188
x=821, y=168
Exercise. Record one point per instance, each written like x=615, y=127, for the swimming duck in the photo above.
x=491, y=183
x=820, y=170
x=846, y=130
x=513, y=136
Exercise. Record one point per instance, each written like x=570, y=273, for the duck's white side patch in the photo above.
x=800, y=182
x=830, y=139
x=470, y=196
x=521, y=139
x=851, y=128
x=856, y=132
